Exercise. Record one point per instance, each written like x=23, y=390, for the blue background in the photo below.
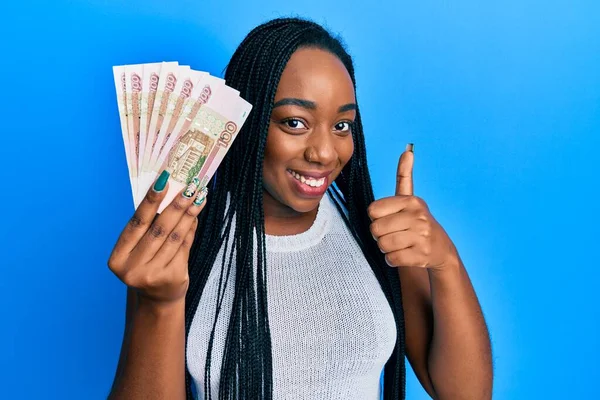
x=502, y=102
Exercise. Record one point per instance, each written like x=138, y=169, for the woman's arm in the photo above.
x=447, y=341
x=152, y=361
x=151, y=258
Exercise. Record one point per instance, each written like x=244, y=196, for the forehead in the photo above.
x=315, y=74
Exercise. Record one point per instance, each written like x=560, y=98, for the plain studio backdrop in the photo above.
x=502, y=101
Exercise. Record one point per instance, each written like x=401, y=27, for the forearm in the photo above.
x=153, y=363
x=460, y=360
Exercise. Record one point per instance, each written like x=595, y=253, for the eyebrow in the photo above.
x=347, y=107
x=310, y=105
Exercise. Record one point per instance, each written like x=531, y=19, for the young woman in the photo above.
x=290, y=281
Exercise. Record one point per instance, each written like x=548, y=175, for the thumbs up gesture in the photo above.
x=404, y=228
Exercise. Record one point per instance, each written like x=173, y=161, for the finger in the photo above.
x=194, y=226
x=404, y=180
x=178, y=236
x=387, y=206
x=408, y=257
x=395, y=204
x=395, y=223
x=163, y=225
x=397, y=241
x=181, y=257
x=142, y=218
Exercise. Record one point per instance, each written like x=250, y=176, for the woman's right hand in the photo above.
x=151, y=254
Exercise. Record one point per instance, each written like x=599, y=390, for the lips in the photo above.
x=312, y=174
x=310, y=185
x=314, y=182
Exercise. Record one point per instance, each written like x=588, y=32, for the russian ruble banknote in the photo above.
x=175, y=118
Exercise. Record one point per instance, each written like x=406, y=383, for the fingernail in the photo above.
x=161, y=182
x=191, y=189
x=201, y=196
x=410, y=147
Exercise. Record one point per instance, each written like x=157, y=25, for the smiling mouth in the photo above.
x=313, y=182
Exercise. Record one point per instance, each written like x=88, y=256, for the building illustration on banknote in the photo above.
x=188, y=155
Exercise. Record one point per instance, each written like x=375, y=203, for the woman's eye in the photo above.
x=343, y=126
x=294, y=124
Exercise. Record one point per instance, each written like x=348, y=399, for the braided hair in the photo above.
x=255, y=70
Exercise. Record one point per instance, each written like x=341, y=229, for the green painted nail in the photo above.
x=201, y=196
x=191, y=188
x=161, y=182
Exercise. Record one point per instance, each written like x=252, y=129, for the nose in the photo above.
x=320, y=147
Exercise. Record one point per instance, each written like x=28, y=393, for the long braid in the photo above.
x=247, y=296
x=264, y=337
x=256, y=210
x=255, y=70
x=360, y=189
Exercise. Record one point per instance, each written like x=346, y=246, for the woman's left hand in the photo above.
x=404, y=228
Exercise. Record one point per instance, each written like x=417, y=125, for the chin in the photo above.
x=301, y=205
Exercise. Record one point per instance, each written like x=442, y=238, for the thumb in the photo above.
x=404, y=179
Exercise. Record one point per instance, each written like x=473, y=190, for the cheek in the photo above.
x=281, y=148
x=269, y=159
x=346, y=149
x=274, y=158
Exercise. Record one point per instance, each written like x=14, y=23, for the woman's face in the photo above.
x=309, y=139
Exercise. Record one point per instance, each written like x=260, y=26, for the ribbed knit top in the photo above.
x=332, y=329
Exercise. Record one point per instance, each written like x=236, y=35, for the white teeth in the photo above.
x=308, y=181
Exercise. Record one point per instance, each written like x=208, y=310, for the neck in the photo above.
x=282, y=220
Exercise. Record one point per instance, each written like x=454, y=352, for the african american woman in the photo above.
x=290, y=281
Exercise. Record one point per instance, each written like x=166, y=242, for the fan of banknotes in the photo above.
x=175, y=118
